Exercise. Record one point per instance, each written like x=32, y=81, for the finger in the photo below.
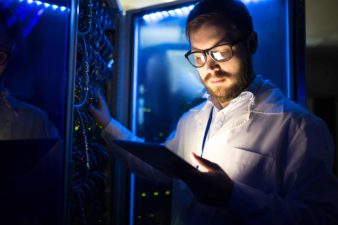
x=93, y=110
x=198, y=164
x=101, y=100
x=206, y=164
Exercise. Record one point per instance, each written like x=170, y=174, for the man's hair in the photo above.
x=219, y=13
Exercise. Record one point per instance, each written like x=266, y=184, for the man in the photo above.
x=263, y=159
x=18, y=119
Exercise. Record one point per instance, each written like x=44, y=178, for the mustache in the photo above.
x=219, y=74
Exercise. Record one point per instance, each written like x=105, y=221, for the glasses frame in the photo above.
x=6, y=59
x=206, y=52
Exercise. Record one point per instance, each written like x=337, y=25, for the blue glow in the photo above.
x=40, y=12
x=157, y=16
x=180, y=12
x=134, y=120
x=44, y=5
x=110, y=64
x=33, y=22
x=289, y=61
x=20, y=15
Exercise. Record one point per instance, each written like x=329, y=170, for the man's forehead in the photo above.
x=213, y=34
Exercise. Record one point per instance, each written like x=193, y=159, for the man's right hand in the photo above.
x=100, y=111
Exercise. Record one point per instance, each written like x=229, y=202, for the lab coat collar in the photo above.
x=250, y=91
x=268, y=98
x=260, y=97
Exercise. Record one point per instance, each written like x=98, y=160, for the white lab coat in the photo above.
x=278, y=154
x=20, y=120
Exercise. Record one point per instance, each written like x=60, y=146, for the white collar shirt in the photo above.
x=21, y=120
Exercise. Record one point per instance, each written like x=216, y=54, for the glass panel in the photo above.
x=32, y=109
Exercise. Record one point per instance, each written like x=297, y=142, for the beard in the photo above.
x=241, y=81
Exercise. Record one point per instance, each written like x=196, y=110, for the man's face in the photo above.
x=5, y=47
x=223, y=80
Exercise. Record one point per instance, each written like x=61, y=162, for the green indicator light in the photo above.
x=143, y=195
x=155, y=193
x=167, y=192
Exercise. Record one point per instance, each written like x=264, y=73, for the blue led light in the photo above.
x=110, y=63
x=252, y=1
x=171, y=13
x=44, y=5
x=180, y=12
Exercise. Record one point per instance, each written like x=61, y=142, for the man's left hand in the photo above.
x=210, y=184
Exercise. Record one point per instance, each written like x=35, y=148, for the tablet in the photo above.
x=158, y=156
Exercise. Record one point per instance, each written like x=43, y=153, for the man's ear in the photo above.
x=252, y=43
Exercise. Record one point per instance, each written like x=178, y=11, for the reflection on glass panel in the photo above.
x=33, y=75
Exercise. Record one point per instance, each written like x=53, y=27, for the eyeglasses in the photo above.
x=4, y=55
x=219, y=53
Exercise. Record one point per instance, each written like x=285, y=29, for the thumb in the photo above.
x=204, y=164
x=92, y=109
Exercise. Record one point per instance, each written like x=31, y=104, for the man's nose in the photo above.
x=211, y=64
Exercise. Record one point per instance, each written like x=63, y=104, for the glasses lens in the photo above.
x=3, y=57
x=197, y=59
x=221, y=53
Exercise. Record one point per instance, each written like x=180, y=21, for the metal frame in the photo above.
x=68, y=163
x=296, y=16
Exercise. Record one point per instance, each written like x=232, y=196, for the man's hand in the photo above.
x=212, y=187
x=100, y=112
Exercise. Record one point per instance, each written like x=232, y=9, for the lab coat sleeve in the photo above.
x=114, y=130
x=308, y=191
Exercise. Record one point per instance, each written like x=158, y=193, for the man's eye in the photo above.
x=199, y=58
x=221, y=55
x=218, y=55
